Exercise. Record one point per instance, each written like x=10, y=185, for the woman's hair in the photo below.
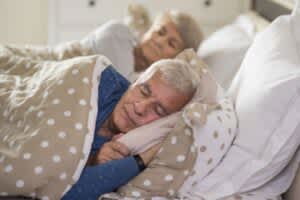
x=187, y=27
x=176, y=73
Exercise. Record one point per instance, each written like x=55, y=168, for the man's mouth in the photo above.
x=129, y=117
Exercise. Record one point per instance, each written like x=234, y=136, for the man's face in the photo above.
x=147, y=102
x=163, y=41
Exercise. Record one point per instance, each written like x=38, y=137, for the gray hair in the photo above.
x=176, y=73
x=187, y=27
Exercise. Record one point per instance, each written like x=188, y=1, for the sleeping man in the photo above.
x=163, y=89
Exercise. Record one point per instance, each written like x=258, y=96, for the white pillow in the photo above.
x=225, y=49
x=267, y=92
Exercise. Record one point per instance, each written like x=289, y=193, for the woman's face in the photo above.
x=163, y=41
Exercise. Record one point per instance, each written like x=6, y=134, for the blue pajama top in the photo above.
x=103, y=178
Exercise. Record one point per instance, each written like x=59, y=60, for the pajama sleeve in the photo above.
x=103, y=178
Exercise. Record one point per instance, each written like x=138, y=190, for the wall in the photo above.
x=23, y=21
x=26, y=21
x=65, y=25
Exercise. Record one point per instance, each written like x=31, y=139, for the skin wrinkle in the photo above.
x=137, y=108
x=159, y=42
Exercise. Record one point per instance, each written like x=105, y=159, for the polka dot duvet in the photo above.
x=48, y=111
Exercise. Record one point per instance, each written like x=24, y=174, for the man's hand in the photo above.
x=116, y=137
x=112, y=150
x=149, y=154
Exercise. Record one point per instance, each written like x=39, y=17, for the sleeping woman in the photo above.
x=171, y=32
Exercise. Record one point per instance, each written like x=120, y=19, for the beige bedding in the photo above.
x=60, y=52
x=48, y=111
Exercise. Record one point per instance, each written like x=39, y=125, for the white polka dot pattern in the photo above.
x=147, y=182
x=51, y=122
x=44, y=144
x=8, y=168
x=73, y=150
x=62, y=135
x=85, y=80
x=60, y=82
x=20, y=183
x=71, y=91
x=75, y=71
x=82, y=102
x=56, y=158
x=136, y=194
x=180, y=158
x=63, y=176
x=171, y=192
x=169, y=178
x=56, y=101
x=38, y=170
x=174, y=140
x=40, y=114
x=67, y=113
x=186, y=172
x=27, y=156
x=45, y=198
x=78, y=126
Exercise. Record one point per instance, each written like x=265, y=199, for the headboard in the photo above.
x=265, y=11
x=270, y=9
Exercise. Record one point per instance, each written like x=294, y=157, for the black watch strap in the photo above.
x=139, y=162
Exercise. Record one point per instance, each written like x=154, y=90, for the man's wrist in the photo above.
x=139, y=161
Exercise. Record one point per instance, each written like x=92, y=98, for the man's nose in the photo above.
x=142, y=107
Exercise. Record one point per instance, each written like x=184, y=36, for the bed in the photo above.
x=263, y=12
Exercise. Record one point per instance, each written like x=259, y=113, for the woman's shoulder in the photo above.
x=113, y=27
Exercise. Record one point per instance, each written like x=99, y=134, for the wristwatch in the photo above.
x=139, y=162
